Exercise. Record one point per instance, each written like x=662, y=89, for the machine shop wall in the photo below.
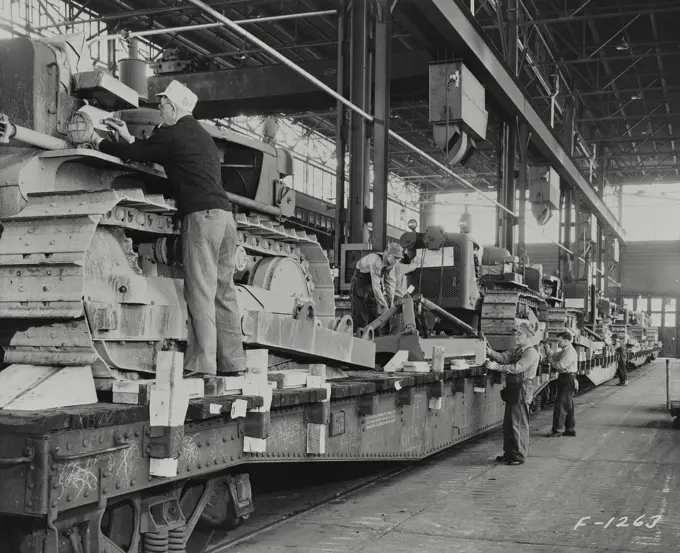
x=651, y=268
x=647, y=268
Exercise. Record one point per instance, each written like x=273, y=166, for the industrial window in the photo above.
x=656, y=319
x=669, y=320
x=670, y=305
x=657, y=304
x=629, y=303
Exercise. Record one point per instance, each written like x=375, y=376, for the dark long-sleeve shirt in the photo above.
x=191, y=161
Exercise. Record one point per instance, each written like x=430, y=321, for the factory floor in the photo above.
x=613, y=487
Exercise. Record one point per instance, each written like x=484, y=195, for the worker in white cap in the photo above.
x=520, y=365
x=192, y=165
x=373, y=284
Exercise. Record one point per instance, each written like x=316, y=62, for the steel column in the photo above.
x=567, y=232
x=341, y=134
x=578, y=223
x=600, y=229
x=522, y=182
x=358, y=178
x=568, y=128
x=381, y=121
x=508, y=186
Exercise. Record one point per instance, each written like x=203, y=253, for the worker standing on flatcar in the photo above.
x=520, y=365
x=373, y=285
x=565, y=362
x=191, y=161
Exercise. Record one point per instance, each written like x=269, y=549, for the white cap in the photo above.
x=180, y=95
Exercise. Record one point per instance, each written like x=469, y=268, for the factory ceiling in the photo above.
x=608, y=65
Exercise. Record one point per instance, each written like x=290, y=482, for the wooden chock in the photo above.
x=256, y=383
x=168, y=404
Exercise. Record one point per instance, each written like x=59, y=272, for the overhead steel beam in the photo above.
x=586, y=17
x=275, y=89
x=464, y=35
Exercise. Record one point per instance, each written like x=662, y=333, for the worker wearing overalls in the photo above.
x=520, y=365
x=621, y=356
x=565, y=362
x=373, y=285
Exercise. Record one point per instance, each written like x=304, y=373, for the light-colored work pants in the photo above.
x=214, y=344
x=516, y=430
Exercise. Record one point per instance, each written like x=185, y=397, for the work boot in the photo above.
x=569, y=433
x=553, y=434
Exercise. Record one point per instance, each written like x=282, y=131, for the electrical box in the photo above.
x=613, y=249
x=544, y=186
x=457, y=97
x=588, y=231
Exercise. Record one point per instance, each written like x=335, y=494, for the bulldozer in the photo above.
x=90, y=258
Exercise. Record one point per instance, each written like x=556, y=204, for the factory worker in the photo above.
x=621, y=357
x=520, y=365
x=192, y=165
x=373, y=284
x=565, y=362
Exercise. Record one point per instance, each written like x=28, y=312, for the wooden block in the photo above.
x=178, y=407
x=130, y=386
x=128, y=398
x=166, y=468
x=169, y=369
x=315, y=381
x=257, y=359
x=436, y=389
x=406, y=396
x=239, y=409
x=438, y=358
x=395, y=364
x=35, y=388
x=435, y=403
x=292, y=378
x=169, y=397
x=196, y=387
x=254, y=445
x=223, y=385
x=368, y=405
x=316, y=439
x=256, y=424
x=318, y=369
x=159, y=408
x=318, y=413
x=459, y=385
x=417, y=367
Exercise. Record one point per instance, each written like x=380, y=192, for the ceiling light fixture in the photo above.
x=636, y=96
x=623, y=45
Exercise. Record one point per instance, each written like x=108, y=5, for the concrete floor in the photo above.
x=620, y=470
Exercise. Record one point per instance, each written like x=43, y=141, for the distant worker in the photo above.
x=373, y=285
x=520, y=365
x=191, y=161
x=565, y=362
x=621, y=358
